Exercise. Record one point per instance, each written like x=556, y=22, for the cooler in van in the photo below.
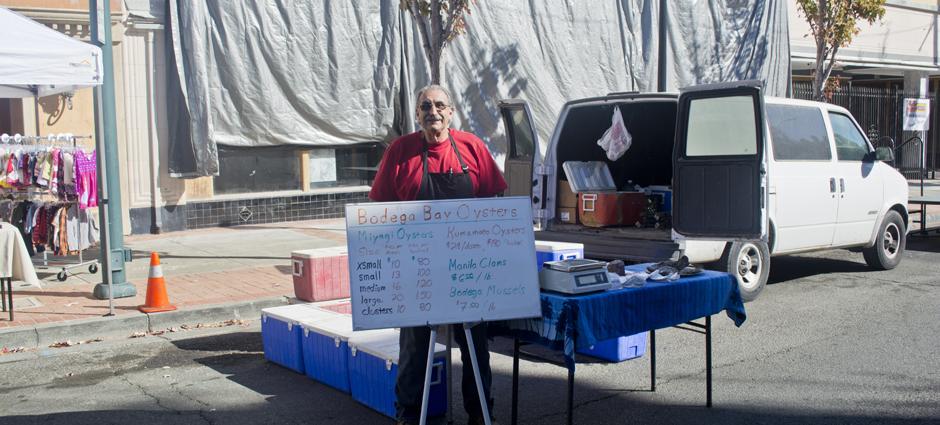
x=599, y=202
x=373, y=366
x=281, y=332
x=618, y=349
x=554, y=251
x=326, y=350
x=321, y=274
x=665, y=194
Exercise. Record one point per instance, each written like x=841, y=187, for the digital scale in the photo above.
x=574, y=276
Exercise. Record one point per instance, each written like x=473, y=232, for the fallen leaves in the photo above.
x=70, y=343
x=11, y=350
x=222, y=324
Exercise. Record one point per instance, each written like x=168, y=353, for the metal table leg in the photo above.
x=515, y=381
x=653, y=360
x=570, y=396
x=3, y=293
x=8, y=282
x=708, y=361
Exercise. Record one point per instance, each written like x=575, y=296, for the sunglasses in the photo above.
x=427, y=105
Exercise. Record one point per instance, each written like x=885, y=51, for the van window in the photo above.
x=721, y=126
x=522, y=131
x=850, y=143
x=798, y=133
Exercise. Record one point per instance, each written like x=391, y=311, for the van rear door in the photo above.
x=523, y=166
x=719, y=187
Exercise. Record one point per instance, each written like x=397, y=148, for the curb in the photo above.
x=77, y=330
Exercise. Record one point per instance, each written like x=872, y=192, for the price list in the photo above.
x=436, y=262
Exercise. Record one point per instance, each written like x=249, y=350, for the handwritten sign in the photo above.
x=440, y=262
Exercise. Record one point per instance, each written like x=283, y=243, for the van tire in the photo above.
x=889, y=245
x=749, y=263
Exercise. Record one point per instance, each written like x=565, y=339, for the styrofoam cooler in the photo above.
x=373, y=366
x=341, y=307
x=618, y=349
x=281, y=332
x=554, y=251
x=326, y=350
x=321, y=274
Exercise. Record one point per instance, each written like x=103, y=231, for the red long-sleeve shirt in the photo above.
x=399, y=175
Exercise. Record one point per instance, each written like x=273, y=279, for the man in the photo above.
x=437, y=163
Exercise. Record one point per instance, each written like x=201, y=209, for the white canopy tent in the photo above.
x=37, y=61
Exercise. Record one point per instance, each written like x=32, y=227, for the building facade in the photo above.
x=274, y=184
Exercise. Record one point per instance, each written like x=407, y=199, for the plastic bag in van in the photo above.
x=616, y=140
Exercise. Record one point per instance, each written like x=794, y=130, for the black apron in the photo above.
x=445, y=185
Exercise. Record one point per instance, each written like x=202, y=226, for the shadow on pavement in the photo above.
x=293, y=398
x=929, y=243
x=235, y=341
x=786, y=268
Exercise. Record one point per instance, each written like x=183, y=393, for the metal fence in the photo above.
x=879, y=111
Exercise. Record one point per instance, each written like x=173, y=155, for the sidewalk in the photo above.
x=932, y=212
x=212, y=275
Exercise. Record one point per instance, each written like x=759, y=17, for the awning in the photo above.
x=39, y=61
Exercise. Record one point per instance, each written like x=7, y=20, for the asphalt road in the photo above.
x=828, y=342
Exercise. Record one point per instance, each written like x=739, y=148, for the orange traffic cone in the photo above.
x=157, y=299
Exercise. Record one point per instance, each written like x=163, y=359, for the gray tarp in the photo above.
x=339, y=73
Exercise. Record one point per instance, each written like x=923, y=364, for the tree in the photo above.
x=833, y=24
x=439, y=22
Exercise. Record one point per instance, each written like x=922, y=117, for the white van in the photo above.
x=736, y=200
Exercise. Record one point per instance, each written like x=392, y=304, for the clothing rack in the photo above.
x=60, y=262
x=52, y=139
x=64, y=265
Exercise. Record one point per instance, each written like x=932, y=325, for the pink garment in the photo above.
x=10, y=175
x=86, y=179
x=54, y=177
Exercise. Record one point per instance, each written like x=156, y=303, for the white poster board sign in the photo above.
x=916, y=114
x=439, y=262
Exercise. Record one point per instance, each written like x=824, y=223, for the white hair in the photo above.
x=430, y=87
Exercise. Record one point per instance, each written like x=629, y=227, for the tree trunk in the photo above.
x=435, y=63
x=819, y=80
x=820, y=75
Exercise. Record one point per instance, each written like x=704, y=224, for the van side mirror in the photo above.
x=884, y=154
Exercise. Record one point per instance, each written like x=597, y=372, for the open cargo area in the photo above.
x=637, y=230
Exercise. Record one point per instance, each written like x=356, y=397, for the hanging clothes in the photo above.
x=87, y=176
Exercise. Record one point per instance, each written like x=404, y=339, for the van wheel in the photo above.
x=886, y=253
x=749, y=262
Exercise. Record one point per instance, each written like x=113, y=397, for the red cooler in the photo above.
x=321, y=274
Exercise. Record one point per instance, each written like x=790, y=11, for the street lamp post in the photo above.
x=115, y=284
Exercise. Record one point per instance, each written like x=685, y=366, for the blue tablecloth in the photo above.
x=580, y=321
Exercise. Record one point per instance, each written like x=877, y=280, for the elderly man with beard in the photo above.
x=437, y=162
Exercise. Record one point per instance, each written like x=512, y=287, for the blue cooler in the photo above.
x=373, y=366
x=618, y=349
x=326, y=350
x=554, y=251
x=666, y=193
x=281, y=333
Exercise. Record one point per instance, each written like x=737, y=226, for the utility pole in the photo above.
x=662, y=74
x=115, y=284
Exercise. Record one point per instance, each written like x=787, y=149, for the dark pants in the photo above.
x=412, y=362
